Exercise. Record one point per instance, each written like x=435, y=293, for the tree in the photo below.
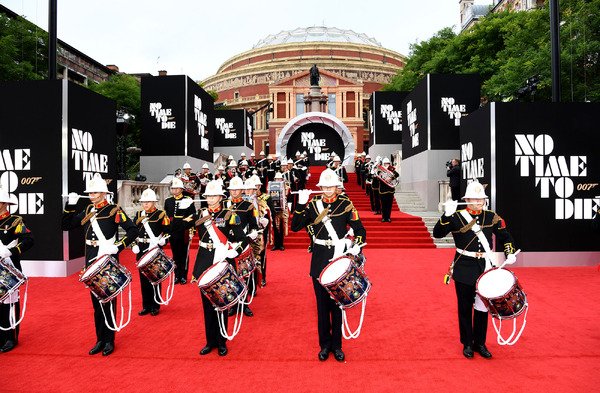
x=507, y=49
x=23, y=49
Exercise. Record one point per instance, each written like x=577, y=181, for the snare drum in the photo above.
x=156, y=265
x=106, y=278
x=502, y=294
x=222, y=286
x=244, y=263
x=11, y=278
x=345, y=281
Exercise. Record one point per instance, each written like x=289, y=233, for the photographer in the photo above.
x=453, y=172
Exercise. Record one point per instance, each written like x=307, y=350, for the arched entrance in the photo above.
x=316, y=133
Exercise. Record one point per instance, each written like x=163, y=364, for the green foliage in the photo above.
x=509, y=47
x=23, y=50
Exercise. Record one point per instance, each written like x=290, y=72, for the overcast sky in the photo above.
x=194, y=37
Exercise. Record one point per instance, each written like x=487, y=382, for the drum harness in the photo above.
x=103, y=241
x=14, y=296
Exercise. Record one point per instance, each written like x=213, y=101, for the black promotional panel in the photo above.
x=318, y=140
x=30, y=160
x=163, y=115
x=201, y=122
x=230, y=125
x=92, y=141
x=433, y=112
x=249, y=130
x=475, y=153
x=385, y=117
x=547, y=170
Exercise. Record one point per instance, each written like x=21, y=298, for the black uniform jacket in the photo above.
x=181, y=218
x=228, y=224
x=467, y=269
x=12, y=227
x=109, y=217
x=342, y=213
x=245, y=211
x=159, y=224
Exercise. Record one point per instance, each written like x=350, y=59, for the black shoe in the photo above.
x=108, y=349
x=232, y=311
x=339, y=355
x=389, y=220
x=222, y=350
x=8, y=346
x=248, y=312
x=483, y=351
x=183, y=281
x=281, y=248
x=206, y=350
x=144, y=312
x=275, y=248
x=176, y=281
x=377, y=212
x=324, y=354
x=468, y=351
x=383, y=220
x=263, y=282
x=154, y=312
x=97, y=348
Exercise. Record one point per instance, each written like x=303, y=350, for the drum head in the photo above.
x=148, y=257
x=334, y=271
x=90, y=271
x=212, y=272
x=495, y=283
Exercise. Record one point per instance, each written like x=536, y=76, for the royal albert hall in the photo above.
x=271, y=81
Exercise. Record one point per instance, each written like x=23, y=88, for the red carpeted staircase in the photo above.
x=405, y=231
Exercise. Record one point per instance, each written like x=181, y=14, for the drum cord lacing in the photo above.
x=112, y=314
x=345, y=322
x=502, y=341
x=12, y=314
x=170, y=290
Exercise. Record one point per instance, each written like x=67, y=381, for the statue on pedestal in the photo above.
x=314, y=76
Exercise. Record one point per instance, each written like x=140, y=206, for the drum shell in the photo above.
x=350, y=288
x=156, y=265
x=510, y=304
x=225, y=290
x=276, y=189
x=106, y=279
x=11, y=279
x=245, y=262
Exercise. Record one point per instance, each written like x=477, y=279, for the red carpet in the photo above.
x=409, y=340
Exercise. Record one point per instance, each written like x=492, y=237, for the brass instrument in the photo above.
x=386, y=176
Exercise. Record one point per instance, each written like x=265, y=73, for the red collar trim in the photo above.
x=471, y=211
x=151, y=211
x=327, y=200
x=236, y=200
x=216, y=210
x=101, y=204
x=4, y=215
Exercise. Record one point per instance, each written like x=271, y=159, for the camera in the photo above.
x=449, y=163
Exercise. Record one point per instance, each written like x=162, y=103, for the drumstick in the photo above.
x=311, y=191
x=80, y=196
x=458, y=203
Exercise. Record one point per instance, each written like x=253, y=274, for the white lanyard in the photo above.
x=338, y=246
x=482, y=239
x=151, y=235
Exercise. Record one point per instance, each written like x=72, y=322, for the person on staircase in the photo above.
x=386, y=193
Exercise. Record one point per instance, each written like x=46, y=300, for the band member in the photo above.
x=243, y=171
x=252, y=164
x=247, y=219
x=472, y=229
x=205, y=176
x=267, y=211
x=358, y=162
x=280, y=220
x=263, y=222
x=271, y=169
x=330, y=217
x=277, y=163
x=191, y=183
x=242, y=158
x=15, y=238
x=153, y=225
x=180, y=210
x=386, y=193
x=339, y=170
x=213, y=247
x=261, y=166
x=100, y=221
x=306, y=159
x=368, y=168
x=290, y=177
x=231, y=173
x=329, y=163
x=375, y=188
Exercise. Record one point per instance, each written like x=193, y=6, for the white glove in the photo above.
x=450, y=207
x=231, y=254
x=5, y=252
x=354, y=250
x=303, y=196
x=264, y=222
x=253, y=235
x=510, y=259
x=135, y=249
x=108, y=249
x=73, y=198
x=162, y=241
x=184, y=203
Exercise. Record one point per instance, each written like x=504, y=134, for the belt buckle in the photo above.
x=209, y=246
x=479, y=254
x=328, y=243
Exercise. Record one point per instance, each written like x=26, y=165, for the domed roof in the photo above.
x=316, y=34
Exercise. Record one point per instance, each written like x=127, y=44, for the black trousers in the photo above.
x=387, y=201
x=148, y=302
x=211, y=323
x=278, y=234
x=376, y=200
x=455, y=192
x=103, y=333
x=471, y=323
x=329, y=317
x=12, y=334
x=180, y=255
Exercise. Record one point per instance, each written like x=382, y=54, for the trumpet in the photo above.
x=311, y=191
x=80, y=196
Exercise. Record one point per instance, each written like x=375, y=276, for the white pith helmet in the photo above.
x=97, y=184
x=475, y=190
x=177, y=183
x=187, y=166
x=148, y=196
x=236, y=183
x=213, y=188
x=328, y=179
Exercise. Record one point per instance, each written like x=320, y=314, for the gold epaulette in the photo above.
x=15, y=222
